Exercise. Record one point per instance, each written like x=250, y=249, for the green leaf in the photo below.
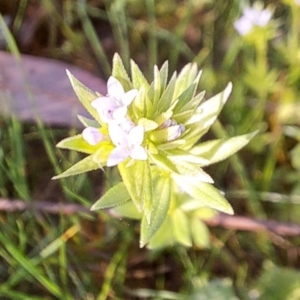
x=204, y=116
x=210, y=109
x=185, y=97
x=120, y=73
x=160, y=136
x=115, y=196
x=77, y=143
x=154, y=92
x=185, y=79
x=200, y=233
x=147, y=124
x=182, y=117
x=171, y=145
x=186, y=156
x=166, y=98
x=164, y=236
x=160, y=206
x=138, y=79
x=276, y=283
x=190, y=170
x=92, y=162
x=142, y=105
x=181, y=228
x=218, y=150
x=216, y=290
x=88, y=122
x=191, y=105
x=137, y=179
x=127, y=210
x=163, y=72
x=85, y=96
x=204, y=192
x=162, y=161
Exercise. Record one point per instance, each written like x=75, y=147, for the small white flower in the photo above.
x=252, y=16
x=92, y=136
x=297, y=2
x=114, y=105
x=128, y=143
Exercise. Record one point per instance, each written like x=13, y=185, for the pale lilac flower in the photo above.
x=128, y=144
x=252, y=16
x=92, y=136
x=114, y=105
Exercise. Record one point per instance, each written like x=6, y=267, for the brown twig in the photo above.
x=220, y=220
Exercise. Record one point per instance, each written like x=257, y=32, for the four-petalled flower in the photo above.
x=128, y=143
x=252, y=16
x=114, y=105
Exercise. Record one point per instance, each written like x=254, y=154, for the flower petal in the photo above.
x=117, y=134
x=103, y=103
x=243, y=26
x=92, y=136
x=116, y=156
x=263, y=18
x=115, y=88
x=138, y=152
x=119, y=113
x=128, y=97
x=136, y=135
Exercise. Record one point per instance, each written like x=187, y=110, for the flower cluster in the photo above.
x=150, y=131
x=252, y=16
x=123, y=133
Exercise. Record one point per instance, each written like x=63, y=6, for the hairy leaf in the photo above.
x=160, y=206
x=218, y=150
x=115, y=196
x=204, y=192
x=85, y=96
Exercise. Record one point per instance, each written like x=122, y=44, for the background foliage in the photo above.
x=84, y=256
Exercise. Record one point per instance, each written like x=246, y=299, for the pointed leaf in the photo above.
x=166, y=98
x=92, y=162
x=138, y=78
x=88, y=122
x=203, y=192
x=137, y=179
x=164, y=236
x=181, y=228
x=185, y=97
x=210, y=109
x=171, y=145
x=189, y=169
x=77, y=143
x=120, y=73
x=204, y=116
x=162, y=161
x=200, y=233
x=147, y=124
x=185, y=79
x=187, y=156
x=127, y=210
x=193, y=103
x=163, y=72
x=115, y=196
x=85, y=96
x=218, y=150
x=85, y=165
x=160, y=206
x=154, y=92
